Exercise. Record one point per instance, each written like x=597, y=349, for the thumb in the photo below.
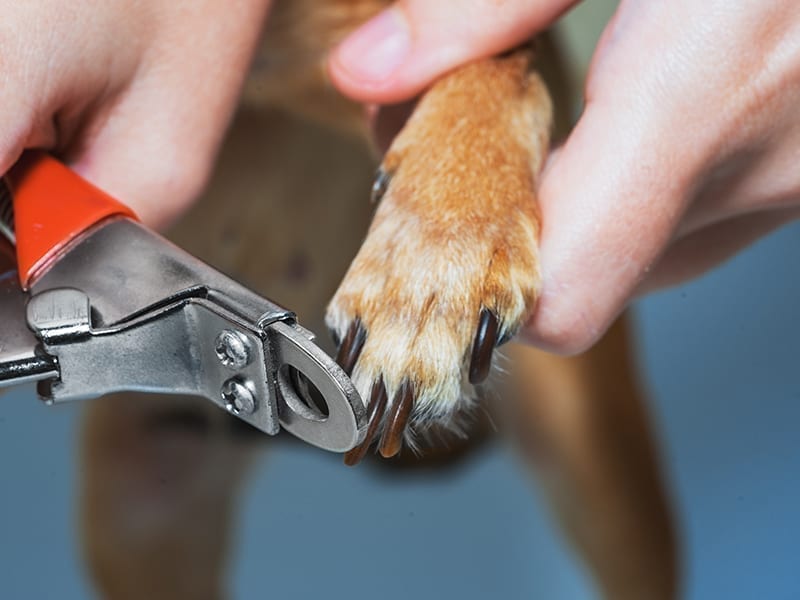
x=400, y=51
x=157, y=161
x=611, y=199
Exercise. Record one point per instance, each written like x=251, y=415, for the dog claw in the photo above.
x=351, y=347
x=375, y=410
x=379, y=186
x=392, y=438
x=483, y=347
x=505, y=338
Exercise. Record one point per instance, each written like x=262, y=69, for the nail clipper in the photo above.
x=93, y=302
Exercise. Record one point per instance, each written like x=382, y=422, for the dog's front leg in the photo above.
x=449, y=267
x=582, y=422
x=160, y=481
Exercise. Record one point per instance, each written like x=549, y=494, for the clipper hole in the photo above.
x=307, y=401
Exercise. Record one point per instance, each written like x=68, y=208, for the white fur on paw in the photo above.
x=419, y=293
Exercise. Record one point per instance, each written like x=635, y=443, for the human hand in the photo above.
x=133, y=95
x=686, y=151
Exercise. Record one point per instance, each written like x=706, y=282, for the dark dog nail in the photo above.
x=505, y=338
x=351, y=347
x=379, y=186
x=375, y=410
x=482, y=349
x=400, y=411
x=337, y=341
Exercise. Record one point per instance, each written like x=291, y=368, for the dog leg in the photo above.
x=583, y=424
x=160, y=481
x=449, y=267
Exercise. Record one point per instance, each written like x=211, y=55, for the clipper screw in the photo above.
x=233, y=349
x=238, y=396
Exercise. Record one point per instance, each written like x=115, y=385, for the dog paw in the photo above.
x=449, y=268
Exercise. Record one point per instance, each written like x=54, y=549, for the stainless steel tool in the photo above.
x=112, y=306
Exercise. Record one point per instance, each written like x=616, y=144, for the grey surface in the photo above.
x=723, y=364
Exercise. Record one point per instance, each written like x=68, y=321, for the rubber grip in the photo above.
x=53, y=205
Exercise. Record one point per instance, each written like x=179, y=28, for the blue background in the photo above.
x=721, y=357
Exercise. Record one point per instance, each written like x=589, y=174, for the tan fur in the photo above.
x=285, y=213
x=420, y=281
x=157, y=501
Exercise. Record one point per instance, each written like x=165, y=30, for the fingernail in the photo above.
x=376, y=49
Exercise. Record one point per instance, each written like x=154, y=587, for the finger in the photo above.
x=699, y=252
x=153, y=153
x=20, y=127
x=11, y=145
x=747, y=184
x=154, y=143
x=656, y=128
x=609, y=206
x=396, y=54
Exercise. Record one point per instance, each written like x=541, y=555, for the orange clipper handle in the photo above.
x=52, y=206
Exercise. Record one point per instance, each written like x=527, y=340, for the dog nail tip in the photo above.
x=354, y=457
x=390, y=447
x=390, y=451
x=483, y=347
x=400, y=410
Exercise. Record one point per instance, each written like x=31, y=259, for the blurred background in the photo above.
x=720, y=358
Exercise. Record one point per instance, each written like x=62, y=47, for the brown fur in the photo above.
x=419, y=281
x=285, y=213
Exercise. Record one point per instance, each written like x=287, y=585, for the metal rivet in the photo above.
x=233, y=349
x=238, y=396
